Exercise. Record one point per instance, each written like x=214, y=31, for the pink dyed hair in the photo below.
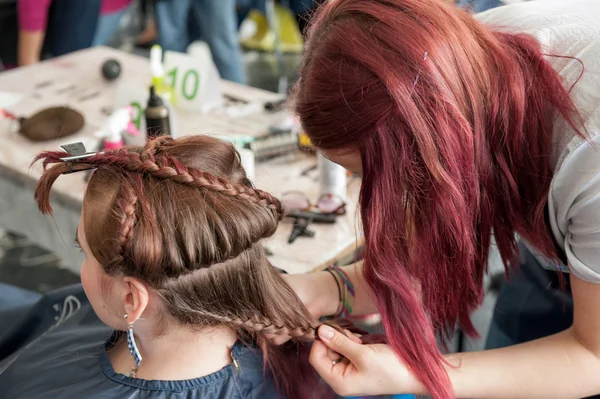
x=454, y=124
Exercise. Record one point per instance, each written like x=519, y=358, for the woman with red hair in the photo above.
x=468, y=132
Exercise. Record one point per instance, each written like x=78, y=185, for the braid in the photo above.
x=167, y=167
x=127, y=202
x=152, y=147
x=258, y=324
x=262, y=325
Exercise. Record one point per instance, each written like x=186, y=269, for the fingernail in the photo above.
x=326, y=332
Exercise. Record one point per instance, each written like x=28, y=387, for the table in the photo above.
x=75, y=80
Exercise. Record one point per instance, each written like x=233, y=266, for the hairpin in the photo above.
x=77, y=153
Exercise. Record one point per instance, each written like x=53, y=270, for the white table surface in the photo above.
x=41, y=84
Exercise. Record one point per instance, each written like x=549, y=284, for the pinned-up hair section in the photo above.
x=181, y=216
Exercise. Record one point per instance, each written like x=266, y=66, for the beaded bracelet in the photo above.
x=347, y=294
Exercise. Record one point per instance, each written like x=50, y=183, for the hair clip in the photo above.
x=77, y=152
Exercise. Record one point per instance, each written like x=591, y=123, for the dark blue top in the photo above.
x=70, y=361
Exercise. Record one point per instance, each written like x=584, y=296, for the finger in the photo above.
x=334, y=356
x=341, y=344
x=327, y=368
x=319, y=351
x=353, y=337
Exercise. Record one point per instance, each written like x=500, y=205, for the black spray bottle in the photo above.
x=157, y=116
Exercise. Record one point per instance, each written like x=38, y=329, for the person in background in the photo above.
x=50, y=28
x=216, y=24
x=149, y=34
x=111, y=13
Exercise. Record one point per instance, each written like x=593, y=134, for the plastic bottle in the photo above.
x=157, y=69
x=118, y=123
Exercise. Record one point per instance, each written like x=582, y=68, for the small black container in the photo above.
x=157, y=116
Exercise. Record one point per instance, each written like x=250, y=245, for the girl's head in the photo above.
x=171, y=232
x=177, y=222
x=450, y=124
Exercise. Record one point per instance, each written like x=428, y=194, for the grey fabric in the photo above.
x=569, y=29
x=69, y=361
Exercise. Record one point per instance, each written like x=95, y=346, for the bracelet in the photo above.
x=340, y=306
x=348, y=293
x=345, y=278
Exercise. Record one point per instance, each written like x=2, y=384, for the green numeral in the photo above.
x=194, y=87
x=173, y=75
x=189, y=91
x=136, y=116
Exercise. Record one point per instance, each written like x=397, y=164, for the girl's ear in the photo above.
x=135, y=297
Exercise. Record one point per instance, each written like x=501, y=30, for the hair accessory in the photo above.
x=133, y=349
x=77, y=153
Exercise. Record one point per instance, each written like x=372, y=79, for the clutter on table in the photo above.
x=266, y=134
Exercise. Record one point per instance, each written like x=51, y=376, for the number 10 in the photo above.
x=189, y=84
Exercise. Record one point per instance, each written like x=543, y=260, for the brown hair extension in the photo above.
x=181, y=216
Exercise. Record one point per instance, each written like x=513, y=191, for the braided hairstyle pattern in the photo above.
x=181, y=216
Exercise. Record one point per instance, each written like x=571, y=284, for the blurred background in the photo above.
x=252, y=42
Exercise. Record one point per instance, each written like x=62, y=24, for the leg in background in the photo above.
x=217, y=22
x=108, y=24
x=172, y=18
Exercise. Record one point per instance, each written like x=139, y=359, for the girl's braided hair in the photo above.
x=181, y=216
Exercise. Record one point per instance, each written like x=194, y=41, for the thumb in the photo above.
x=340, y=343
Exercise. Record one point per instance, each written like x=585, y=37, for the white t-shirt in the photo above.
x=569, y=28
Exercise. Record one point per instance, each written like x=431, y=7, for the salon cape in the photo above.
x=568, y=28
x=70, y=362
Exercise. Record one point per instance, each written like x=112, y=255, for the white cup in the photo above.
x=332, y=177
x=247, y=158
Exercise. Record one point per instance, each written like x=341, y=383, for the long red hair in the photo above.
x=454, y=124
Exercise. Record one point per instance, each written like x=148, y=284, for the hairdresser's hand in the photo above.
x=363, y=369
x=317, y=291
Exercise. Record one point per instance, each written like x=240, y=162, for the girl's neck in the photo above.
x=179, y=354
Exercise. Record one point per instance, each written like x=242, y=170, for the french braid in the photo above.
x=167, y=167
x=126, y=202
x=257, y=324
x=152, y=146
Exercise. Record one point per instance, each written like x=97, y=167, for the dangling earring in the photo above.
x=133, y=349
